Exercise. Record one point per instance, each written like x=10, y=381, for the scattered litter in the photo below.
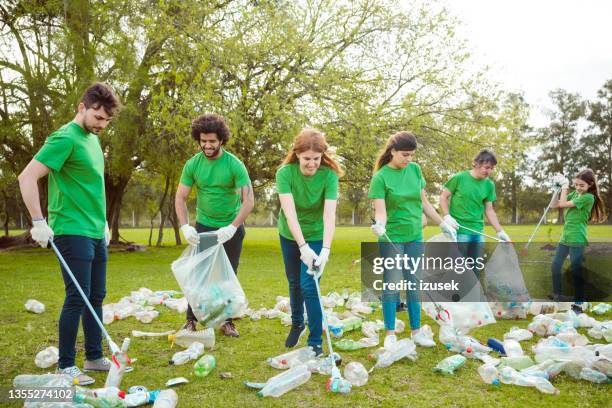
x=136, y=333
x=47, y=357
x=176, y=381
x=34, y=306
x=450, y=364
x=356, y=373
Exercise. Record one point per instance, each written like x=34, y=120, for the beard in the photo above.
x=91, y=129
x=213, y=154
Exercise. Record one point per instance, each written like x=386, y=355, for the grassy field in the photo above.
x=34, y=273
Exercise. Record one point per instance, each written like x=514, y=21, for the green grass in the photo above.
x=34, y=273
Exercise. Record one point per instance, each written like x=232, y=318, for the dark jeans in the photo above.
x=232, y=248
x=86, y=258
x=302, y=289
x=576, y=254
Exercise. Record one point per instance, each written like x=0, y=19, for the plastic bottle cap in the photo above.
x=75, y=381
x=121, y=394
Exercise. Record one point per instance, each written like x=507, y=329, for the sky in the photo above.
x=540, y=45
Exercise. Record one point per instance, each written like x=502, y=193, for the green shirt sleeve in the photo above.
x=583, y=201
x=187, y=174
x=377, y=187
x=283, y=180
x=331, y=187
x=421, y=178
x=451, y=185
x=241, y=175
x=55, y=151
x=492, y=196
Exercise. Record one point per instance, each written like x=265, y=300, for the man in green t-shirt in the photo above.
x=73, y=160
x=224, y=196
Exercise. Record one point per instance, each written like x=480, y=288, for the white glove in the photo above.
x=307, y=255
x=226, y=233
x=449, y=230
x=321, y=261
x=451, y=222
x=559, y=180
x=107, y=236
x=565, y=185
x=378, y=229
x=41, y=232
x=503, y=236
x=190, y=234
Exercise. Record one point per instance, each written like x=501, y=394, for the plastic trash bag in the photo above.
x=209, y=283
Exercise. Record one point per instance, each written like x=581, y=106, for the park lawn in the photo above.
x=34, y=273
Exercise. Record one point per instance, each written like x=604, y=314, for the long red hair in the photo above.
x=313, y=139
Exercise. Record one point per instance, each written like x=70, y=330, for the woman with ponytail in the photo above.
x=398, y=192
x=582, y=205
x=307, y=185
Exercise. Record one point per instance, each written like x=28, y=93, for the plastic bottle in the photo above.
x=489, y=374
x=496, y=345
x=351, y=323
x=338, y=385
x=292, y=358
x=347, y=345
x=512, y=348
x=47, y=357
x=286, y=381
x=118, y=365
x=204, y=365
x=594, y=376
x=509, y=375
x=518, y=363
x=195, y=350
x=518, y=334
x=34, y=306
x=185, y=338
x=141, y=398
x=450, y=364
x=146, y=316
x=387, y=356
x=363, y=308
x=99, y=402
x=601, y=308
x=45, y=380
x=166, y=399
x=356, y=373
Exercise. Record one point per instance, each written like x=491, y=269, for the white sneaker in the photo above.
x=390, y=339
x=421, y=339
x=77, y=375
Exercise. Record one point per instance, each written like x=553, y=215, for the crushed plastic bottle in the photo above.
x=146, y=316
x=547, y=369
x=338, y=385
x=347, y=345
x=47, y=357
x=34, y=306
x=204, y=365
x=489, y=374
x=573, y=338
x=513, y=348
x=100, y=402
x=356, y=373
x=450, y=364
x=518, y=334
x=594, y=376
x=292, y=358
x=166, y=399
x=100, y=392
x=286, y=381
x=45, y=380
x=141, y=398
x=118, y=365
x=194, y=351
x=185, y=338
x=371, y=329
x=601, y=308
x=518, y=363
x=404, y=348
x=509, y=375
x=351, y=323
x=362, y=308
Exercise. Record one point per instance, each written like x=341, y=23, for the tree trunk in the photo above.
x=163, y=212
x=172, y=215
x=151, y=230
x=115, y=190
x=560, y=219
x=514, y=199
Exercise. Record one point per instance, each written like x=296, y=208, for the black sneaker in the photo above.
x=318, y=350
x=294, y=335
x=577, y=308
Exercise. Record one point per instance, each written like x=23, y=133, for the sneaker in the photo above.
x=190, y=325
x=318, y=350
x=77, y=375
x=294, y=335
x=390, y=340
x=421, y=339
x=102, y=364
x=229, y=329
x=577, y=308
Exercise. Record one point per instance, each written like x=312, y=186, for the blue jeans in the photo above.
x=86, y=258
x=391, y=298
x=302, y=289
x=576, y=254
x=471, y=246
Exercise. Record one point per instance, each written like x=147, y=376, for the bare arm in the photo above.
x=28, y=184
x=247, y=200
x=180, y=203
x=429, y=210
x=288, y=206
x=563, y=203
x=329, y=222
x=492, y=216
x=380, y=211
x=444, y=200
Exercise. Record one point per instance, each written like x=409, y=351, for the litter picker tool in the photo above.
x=482, y=233
x=542, y=218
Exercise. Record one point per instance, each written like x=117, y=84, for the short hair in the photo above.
x=210, y=123
x=485, y=156
x=99, y=95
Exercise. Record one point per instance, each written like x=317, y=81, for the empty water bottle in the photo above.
x=518, y=363
x=47, y=357
x=45, y=380
x=489, y=374
x=509, y=375
x=185, y=338
x=351, y=323
x=286, y=381
x=118, y=366
x=204, y=365
x=166, y=399
x=356, y=373
x=34, y=306
x=450, y=364
x=141, y=398
x=404, y=348
x=512, y=348
x=594, y=376
x=292, y=358
x=348, y=345
x=100, y=402
x=601, y=308
x=146, y=316
x=195, y=350
x=518, y=334
x=338, y=385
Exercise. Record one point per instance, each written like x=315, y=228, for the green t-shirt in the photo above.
x=309, y=194
x=577, y=219
x=216, y=182
x=77, y=201
x=401, y=190
x=468, y=199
